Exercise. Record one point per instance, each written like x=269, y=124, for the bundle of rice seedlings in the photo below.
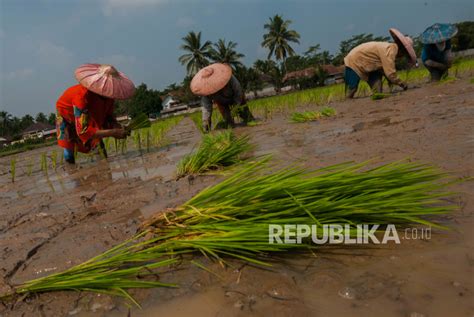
x=305, y=116
x=215, y=151
x=54, y=159
x=138, y=122
x=328, y=112
x=379, y=95
x=232, y=219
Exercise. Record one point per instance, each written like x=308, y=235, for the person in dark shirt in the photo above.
x=437, y=59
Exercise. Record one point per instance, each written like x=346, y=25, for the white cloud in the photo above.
x=185, y=22
x=111, y=7
x=53, y=54
x=19, y=74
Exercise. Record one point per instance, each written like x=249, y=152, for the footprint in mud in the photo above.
x=370, y=286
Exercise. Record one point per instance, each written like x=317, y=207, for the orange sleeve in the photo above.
x=86, y=127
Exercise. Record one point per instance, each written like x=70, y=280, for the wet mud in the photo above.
x=48, y=224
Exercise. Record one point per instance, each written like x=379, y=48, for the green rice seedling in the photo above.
x=233, y=218
x=299, y=117
x=471, y=80
x=138, y=122
x=328, y=111
x=13, y=168
x=29, y=169
x=44, y=163
x=54, y=159
x=148, y=140
x=215, y=151
x=379, y=95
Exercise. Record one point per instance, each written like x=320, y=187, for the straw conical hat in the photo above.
x=105, y=80
x=406, y=42
x=211, y=79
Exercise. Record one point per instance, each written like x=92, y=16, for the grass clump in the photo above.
x=232, y=219
x=216, y=150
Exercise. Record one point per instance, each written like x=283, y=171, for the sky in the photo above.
x=43, y=41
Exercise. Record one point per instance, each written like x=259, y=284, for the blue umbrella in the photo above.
x=438, y=32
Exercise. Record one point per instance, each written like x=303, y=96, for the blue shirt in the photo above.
x=430, y=51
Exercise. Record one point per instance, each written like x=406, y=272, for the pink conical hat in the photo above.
x=211, y=79
x=105, y=80
x=406, y=42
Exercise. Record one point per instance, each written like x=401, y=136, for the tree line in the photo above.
x=278, y=39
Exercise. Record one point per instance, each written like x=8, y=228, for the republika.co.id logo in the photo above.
x=343, y=234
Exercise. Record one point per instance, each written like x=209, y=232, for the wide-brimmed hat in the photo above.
x=405, y=42
x=105, y=80
x=438, y=32
x=211, y=79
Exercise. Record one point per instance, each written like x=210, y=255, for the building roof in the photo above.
x=331, y=70
x=38, y=126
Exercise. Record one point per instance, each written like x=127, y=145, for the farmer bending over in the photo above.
x=85, y=111
x=217, y=86
x=436, y=54
x=370, y=61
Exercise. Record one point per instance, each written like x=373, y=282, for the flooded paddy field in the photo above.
x=50, y=221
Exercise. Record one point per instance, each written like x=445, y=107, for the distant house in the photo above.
x=335, y=74
x=39, y=130
x=169, y=102
x=3, y=142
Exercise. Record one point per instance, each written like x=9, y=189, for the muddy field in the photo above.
x=50, y=223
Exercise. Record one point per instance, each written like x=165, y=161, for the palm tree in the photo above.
x=278, y=37
x=197, y=56
x=226, y=53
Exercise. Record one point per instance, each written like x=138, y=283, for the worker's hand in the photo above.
x=119, y=133
x=404, y=86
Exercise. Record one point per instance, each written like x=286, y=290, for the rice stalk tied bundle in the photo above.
x=138, y=122
x=232, y=218
x=215, y=151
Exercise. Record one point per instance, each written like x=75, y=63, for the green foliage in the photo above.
x=465, y=38
x=216, y=150
x=232, y=218
x=144, y=100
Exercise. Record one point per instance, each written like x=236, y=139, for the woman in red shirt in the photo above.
x=85, y=111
